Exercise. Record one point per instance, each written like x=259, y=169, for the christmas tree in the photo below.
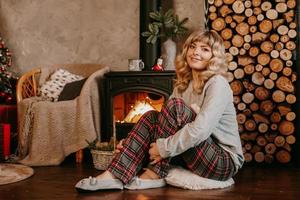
x=7, y=78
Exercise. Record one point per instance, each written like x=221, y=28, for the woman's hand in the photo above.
x=119, y=146
x=154, y=154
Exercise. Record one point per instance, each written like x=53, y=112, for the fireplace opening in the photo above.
x=128, y=107
x=123, y=93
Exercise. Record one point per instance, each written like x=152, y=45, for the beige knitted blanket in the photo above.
x=49, y=131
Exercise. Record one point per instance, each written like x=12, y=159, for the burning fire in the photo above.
x=130, y=106
x=139, y=108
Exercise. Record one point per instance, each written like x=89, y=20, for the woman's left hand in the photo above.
x=154, y=154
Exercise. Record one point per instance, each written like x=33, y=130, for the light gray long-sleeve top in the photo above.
x=216, y=118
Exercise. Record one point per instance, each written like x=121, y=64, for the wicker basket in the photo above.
x=102, y=159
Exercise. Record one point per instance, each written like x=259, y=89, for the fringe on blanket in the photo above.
x=26, y=130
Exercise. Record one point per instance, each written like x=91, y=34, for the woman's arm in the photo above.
x=217, y=96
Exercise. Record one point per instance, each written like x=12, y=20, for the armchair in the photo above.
x=49, y=131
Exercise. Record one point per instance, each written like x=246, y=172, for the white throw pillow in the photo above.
x=186, y=179
x=52, y=88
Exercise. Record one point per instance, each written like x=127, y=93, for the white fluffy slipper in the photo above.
x=140, y=184
x=93, y=184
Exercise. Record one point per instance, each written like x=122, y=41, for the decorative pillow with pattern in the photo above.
x=52, y=88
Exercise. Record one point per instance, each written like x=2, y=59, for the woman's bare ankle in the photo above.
x=106, y=175
x=149, y=174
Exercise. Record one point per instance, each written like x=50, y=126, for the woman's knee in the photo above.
x=178, y=107
x=173, y=102
x=173, y=105
x=149, y=116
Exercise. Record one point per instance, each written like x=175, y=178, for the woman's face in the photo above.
x=198, y=55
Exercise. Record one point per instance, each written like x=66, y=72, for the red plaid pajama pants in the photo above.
x=207, y=159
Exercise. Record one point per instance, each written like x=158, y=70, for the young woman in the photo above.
x=196, y=125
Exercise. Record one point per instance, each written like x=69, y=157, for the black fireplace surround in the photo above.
x=115, y=83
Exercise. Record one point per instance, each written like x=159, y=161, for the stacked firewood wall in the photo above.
x=260, y=39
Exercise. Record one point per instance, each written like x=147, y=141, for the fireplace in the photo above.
x=127, y=94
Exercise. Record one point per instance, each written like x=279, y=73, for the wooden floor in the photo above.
x=257, y=182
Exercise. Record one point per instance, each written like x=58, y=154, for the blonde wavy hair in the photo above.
x=216, y=65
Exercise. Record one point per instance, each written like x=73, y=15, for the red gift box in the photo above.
x=8, y=115
x=4, y=141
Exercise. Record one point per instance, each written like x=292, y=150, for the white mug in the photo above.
x=135, y=65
